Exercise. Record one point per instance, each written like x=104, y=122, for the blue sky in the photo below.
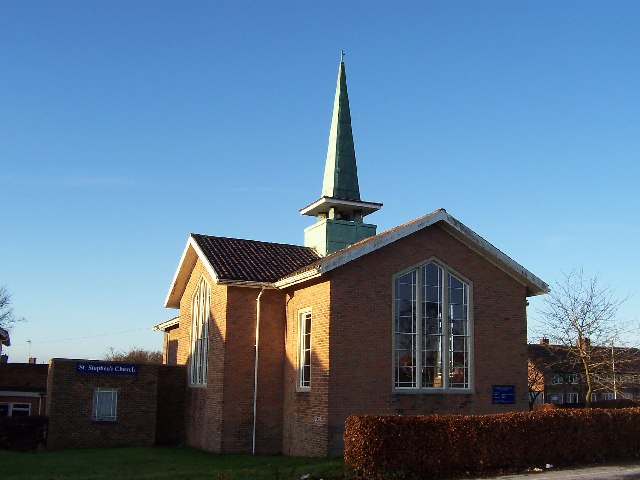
x=124, y=126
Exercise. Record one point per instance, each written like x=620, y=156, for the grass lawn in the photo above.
x=160, y=463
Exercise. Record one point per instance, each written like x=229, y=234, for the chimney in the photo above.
x=32, y=360
x=544, y=341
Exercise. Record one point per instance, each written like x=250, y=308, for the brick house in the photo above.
x=283, y=342
x=556, y=376
x=23, y=389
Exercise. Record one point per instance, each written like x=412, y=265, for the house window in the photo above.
x=304, y=352
x=557, y=379
x=594, y=397
x=432, y=342
x=572, y=398
x=199, y=334
x=608, y=396
x=15, y=409
x=105, y=402
x=555, y=398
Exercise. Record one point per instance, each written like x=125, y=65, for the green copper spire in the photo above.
x=339, y=210
x=340, y=171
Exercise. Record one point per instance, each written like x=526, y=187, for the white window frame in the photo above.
x=572, y=397
x=594, y=397
x=447, y=371
x=102, y=395
x=304, y=349
x=17, y=406
x=556, y=379
x=608, y=396
x=555, y=398
x=199, y=352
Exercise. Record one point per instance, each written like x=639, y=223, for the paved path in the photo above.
x=626, y=471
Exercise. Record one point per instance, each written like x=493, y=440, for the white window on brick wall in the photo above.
x=572, y=397
x=198, y=359
x=432, y=330
x=304, y=349
x=15, y=409
x=555, y=398
x=105, y=403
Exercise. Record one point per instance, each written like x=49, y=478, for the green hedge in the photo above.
x=23, y=433
x=427, y=446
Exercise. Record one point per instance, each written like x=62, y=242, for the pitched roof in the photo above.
x=251, y=260
x=454, y=227
x=237, y=261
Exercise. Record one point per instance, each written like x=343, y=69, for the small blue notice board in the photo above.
x=504, y=394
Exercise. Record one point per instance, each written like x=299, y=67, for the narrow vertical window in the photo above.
x=406, y=333
x=431, y=329
x=304, y=353
x=105, y=402
x=199, y=333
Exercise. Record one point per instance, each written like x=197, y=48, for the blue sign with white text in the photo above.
x=107, y=368
x=504, y=394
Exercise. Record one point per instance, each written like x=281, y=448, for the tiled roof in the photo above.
x=253, y=261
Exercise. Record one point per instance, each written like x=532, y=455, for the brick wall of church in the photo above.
x=219, y=417
x=361, y=333
x=144, y=412
x=239, y=368
x=306, y=413
x=204, y=405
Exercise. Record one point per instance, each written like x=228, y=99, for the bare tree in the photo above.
x=134, y=355
x=535, y=381
x=580, y=315
x=7, y=317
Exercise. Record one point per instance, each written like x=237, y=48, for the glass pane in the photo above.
x=432, y=274
x=431, y=376
x=459, y=344
x=404, y=308
x=307, y=324
x=459, y=327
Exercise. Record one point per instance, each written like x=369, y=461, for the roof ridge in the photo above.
x=250, y=240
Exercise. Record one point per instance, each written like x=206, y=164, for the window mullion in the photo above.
x=446, y=340
x=419, y=321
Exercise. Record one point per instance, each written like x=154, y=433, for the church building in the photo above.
x=283, y=342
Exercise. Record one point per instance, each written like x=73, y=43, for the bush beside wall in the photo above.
x=23, y=433
x=427, y=446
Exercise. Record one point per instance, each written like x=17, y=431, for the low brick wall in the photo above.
x=149, y=404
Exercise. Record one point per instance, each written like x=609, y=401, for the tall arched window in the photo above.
x=199, y=333
x=432, y=340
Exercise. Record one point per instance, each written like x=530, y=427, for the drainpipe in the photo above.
x=255, y=372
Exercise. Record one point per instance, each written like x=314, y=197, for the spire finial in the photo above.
x=341, y=55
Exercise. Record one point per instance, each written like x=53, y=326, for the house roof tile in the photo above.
x=236, y=259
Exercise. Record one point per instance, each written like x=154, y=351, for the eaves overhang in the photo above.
x=167, y=325
x=534, y=285
x=324, y=204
